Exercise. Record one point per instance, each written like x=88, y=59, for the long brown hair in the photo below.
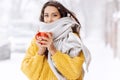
x=64, y=12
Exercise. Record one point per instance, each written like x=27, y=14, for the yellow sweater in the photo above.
x=36, y=67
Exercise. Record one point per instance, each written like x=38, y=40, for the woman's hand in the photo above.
x=48, y=43
x=41, y=49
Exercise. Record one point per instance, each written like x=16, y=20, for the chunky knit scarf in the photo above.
x=64, y=40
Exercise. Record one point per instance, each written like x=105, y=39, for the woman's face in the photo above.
x=51, y=14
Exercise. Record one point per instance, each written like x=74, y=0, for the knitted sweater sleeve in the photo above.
x=32, y=63
x=71, y=68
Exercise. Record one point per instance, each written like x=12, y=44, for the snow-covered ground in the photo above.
x=10, y=69
x=103, y=65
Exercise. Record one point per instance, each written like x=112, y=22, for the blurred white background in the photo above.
x=100, y=20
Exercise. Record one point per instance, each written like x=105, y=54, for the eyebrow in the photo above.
x=53, y=12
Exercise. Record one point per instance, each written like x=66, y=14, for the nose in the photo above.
x=50, y=19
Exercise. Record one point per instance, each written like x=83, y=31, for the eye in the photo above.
x=55, y=15
x=45, y=15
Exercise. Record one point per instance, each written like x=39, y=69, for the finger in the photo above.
x=43, y=42
x=44, y=39
x=38, y=37
x=38, y=41
x=43, y=45
x=38, y=44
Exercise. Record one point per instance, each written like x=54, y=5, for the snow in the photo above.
x=10, y=69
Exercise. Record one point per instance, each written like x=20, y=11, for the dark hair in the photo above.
x=64, y=12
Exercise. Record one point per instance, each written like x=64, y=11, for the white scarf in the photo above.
x=65, y=41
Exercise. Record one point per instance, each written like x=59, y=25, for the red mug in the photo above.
x=40, y=34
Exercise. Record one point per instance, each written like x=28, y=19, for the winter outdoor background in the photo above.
x=100, y=20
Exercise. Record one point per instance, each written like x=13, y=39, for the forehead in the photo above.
x=50, y=9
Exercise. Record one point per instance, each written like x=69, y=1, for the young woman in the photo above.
x=59, y=56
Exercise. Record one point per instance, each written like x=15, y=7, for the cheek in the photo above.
x=45, y=19
x=56, y=18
